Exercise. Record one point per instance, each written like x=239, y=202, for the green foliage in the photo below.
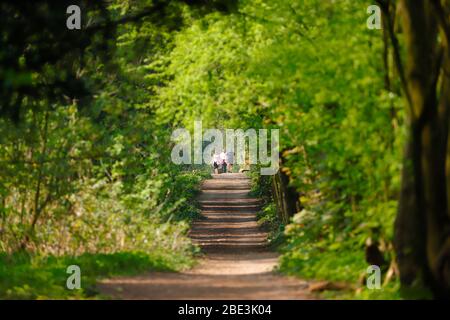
x=313, y=70
x=87, y=170
x=337, y=264
x=85, y=166
x=268, y=219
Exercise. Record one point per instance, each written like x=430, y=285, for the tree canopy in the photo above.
x=86, y=118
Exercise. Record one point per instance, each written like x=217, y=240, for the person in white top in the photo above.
x=215, y=161
x=230, y=160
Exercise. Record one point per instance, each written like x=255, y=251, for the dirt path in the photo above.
x=237, y=263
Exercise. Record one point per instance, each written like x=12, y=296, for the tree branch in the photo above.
x=385, y=8
x=441, y=13
x=158, y=7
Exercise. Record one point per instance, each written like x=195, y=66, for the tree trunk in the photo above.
x=287, y=198
x=422, y=223
x=409, y=240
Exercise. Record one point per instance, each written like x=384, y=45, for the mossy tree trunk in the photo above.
x=286, y=196
x=422, y=225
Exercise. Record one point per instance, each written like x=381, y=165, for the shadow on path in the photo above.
x=237, y=263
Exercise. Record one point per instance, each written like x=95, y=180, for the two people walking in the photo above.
x=223, y=162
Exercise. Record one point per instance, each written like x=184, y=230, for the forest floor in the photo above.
x=237, y=262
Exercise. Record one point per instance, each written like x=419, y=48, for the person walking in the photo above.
x=230, y=160
x=223, y=161
x=215, y=161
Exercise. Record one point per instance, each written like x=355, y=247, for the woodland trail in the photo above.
x=237, y=263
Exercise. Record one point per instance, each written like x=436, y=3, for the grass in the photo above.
x=23, y=276
x=343, y=265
